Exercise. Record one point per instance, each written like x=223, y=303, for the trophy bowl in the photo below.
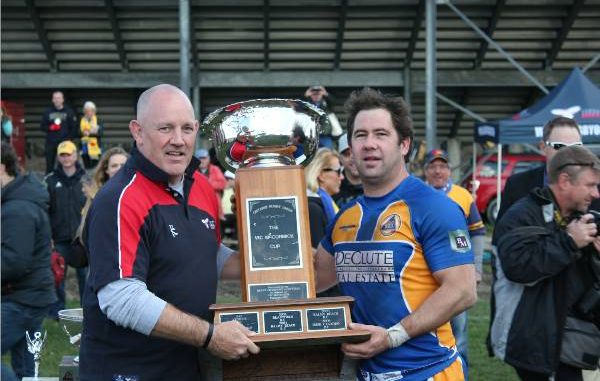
x=72, y=323
x=265, y=132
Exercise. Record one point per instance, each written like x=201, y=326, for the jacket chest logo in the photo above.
x=209, y=223
x=173, y=232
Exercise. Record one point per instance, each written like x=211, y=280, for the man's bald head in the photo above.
x=146, y=97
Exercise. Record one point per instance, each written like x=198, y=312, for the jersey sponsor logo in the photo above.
x=391, y=225
x=209, y=223
x=173, y=232
x=459, y=241
x=369, y=266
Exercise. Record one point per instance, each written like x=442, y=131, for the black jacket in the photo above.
x=519, y=185
x=26, y=274
x=539, y=275
x=66, y=201
x=347, y=193
x=59, y=125
x=317, y=219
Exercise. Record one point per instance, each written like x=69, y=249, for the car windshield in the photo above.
x=488, y=169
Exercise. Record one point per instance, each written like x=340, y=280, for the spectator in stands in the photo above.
x=59, y=124
x=318, y=96
x=27, y=281
x=351, y=186
x=66, y=202
x=323, y=178
x=437, y=175
x=7, y=126
x=111, y=161
x=547, y=313
x=91, y=132
x=214, y=174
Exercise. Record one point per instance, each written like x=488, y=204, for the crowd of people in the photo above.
x=143, y=231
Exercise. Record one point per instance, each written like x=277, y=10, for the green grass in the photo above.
x=482, y=366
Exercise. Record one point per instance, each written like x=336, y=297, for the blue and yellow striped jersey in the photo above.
x=386, y=250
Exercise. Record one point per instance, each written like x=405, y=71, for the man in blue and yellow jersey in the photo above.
x=402, y=251
x=437, y=174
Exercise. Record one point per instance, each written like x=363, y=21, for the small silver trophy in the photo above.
x=35, y=348
x=72, y=323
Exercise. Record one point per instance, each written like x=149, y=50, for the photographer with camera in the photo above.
x=318, y=96
x=546, y=318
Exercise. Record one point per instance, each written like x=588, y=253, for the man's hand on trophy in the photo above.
x=230, y=341
x=377, y=343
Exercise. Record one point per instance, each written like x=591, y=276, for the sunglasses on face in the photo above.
x=559, y=145
x=337, y=170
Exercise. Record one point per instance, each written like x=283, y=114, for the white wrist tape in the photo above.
x=397, y=335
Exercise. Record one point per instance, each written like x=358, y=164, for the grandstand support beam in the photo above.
x=563, y=33
x=460, y=107
x=493, y=23
x=591, y=63
x=495, y=45
x=407, y=85
x=431, y=75
x=266, y=29
x=184, y=47
x=339, y=43
x=194, y=44
x=112, y=16
x=41, y=32
x=414, y=33
x=282, y=79
x=458, y=115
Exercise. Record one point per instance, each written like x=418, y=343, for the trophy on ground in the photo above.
x=71, y=321
x=35, y=348
x=266, y=142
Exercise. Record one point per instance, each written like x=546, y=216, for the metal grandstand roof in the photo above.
x=242, y=46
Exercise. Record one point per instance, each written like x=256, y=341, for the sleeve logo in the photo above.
x=459, y=241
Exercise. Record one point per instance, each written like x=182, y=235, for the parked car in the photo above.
x=485, y=181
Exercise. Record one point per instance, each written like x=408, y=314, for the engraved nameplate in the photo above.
x=282, y=321
x=277, y=291
x=273, y=233
x=247, y=319
x=326, y=319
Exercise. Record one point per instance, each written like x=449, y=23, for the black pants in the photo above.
x=50, y=156
x=563, y=373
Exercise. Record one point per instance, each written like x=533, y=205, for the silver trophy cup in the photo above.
x=265, y=132
x=72, y=323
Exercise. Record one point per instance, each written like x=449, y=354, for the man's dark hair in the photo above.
x=9, y=159
x=559, y=121
x=572, y=160
x=370, y=99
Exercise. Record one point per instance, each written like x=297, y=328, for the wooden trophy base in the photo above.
x=297, y=337
x=298, y=363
